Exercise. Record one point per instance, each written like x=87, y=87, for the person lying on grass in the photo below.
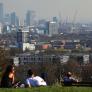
x=69, y=79
x=34, y=81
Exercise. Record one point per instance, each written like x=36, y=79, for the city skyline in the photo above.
x=78, y=10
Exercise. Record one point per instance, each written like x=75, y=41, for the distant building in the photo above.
x=7, y=19
x=57, y=43
x=47, y=28
x=14, y=19
x=23, y=38
x=28, y=46
x=1, y=13
x=53, y=28
x=43, y=27
x=55, y=19
x=86, y=59
x=1, y=28
x=6, y=29
x=26, y=58
x=70, y=45
x=64, y=59
x=30, y=18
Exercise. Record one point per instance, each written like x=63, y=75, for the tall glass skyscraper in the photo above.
x=14, y=19
x=1, y=13
x=30, y=15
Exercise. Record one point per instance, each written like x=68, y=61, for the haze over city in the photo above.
x=48, y=8
x=52, y=37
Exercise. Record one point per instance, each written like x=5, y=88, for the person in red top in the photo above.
x=7, y=79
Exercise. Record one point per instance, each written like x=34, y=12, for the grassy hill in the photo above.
x=49, y=89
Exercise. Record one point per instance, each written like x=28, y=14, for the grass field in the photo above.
x=49, y=89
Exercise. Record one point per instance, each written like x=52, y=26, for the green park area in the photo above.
x=49, y=89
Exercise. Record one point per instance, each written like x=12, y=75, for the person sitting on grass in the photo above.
x=69, y=79
x=7, y=79
x=34, y=81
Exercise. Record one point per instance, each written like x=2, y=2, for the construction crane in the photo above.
x=73, y=21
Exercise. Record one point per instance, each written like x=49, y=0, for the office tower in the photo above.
x=14, y=19
x=1, y=13
x=23, y=38
x=17, y=21
x=1, y=28
x=53, y=28
x=30, y=15
x=28, y=18
x=23, y=35
x=46, y=32
x=7, y=19
x=55, y=19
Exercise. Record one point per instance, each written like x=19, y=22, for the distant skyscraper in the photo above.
x=22, y=37
x=7, y=19
x=28, y=18
x=14, y=19
x=46, y=28
x=30, y=15
x=53, y=28
x=1, y=28
x=55, y=19
x=17, y=21
x=1, y=13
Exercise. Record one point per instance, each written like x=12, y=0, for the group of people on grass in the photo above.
x=7, y=80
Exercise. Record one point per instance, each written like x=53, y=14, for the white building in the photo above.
x=85, y=59
x=28, y=46
x=64, y=59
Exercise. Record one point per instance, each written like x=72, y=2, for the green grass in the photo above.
x=49, y=89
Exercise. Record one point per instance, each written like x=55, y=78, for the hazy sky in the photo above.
x=81, y=9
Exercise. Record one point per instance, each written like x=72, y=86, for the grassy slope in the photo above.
x=50, y=89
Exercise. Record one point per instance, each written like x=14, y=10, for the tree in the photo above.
x=4, y=56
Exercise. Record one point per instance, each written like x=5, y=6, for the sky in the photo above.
x=78, y=10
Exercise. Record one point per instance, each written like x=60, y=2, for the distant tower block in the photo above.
x=53, y=28
x=1, y=13
x=86, y=59
x=23, y=37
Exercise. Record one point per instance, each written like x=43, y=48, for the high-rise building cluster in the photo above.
x=27, y=29
x=12, y=21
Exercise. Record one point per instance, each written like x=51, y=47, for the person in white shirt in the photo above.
x=34, y=81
